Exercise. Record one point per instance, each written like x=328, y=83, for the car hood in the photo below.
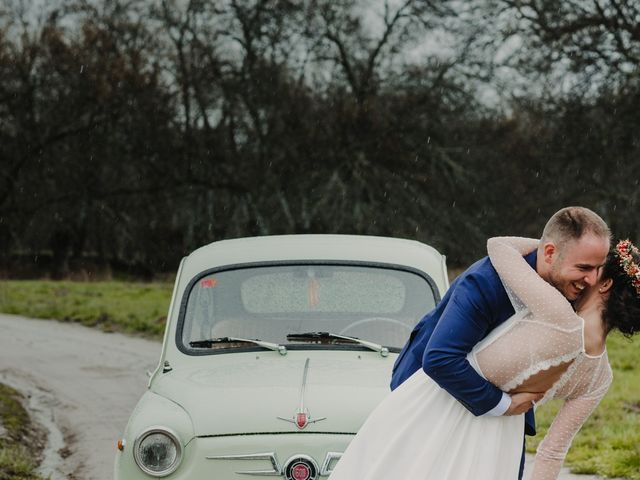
x=253, y=392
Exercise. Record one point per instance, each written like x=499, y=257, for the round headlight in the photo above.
x=157, y=451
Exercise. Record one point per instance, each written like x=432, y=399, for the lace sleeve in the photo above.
x=539, y=296
x=553, y=449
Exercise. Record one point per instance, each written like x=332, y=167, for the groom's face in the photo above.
x=576, y=264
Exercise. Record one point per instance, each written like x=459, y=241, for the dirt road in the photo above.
x=82, y=385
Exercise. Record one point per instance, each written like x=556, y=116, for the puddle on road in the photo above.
x=40, y=404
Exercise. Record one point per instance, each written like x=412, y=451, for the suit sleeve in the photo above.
x=466, y=320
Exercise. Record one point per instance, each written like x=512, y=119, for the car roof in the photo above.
x=356, y=248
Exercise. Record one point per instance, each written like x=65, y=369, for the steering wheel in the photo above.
x=364, y=321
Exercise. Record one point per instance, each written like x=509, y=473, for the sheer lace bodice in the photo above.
x=544, y=340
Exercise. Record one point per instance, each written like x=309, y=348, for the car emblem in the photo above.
x=302, y=418
x=300, y=471
x=301, y=467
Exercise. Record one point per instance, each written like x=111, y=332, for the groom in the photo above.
x=573, y=247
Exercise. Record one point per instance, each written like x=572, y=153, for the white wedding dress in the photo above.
x=419, y=431
x=422, y=432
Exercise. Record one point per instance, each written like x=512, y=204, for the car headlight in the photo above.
x=157, y=451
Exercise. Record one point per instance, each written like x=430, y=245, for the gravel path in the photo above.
x=82, y=385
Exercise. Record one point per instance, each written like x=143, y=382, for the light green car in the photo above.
x=275, y=351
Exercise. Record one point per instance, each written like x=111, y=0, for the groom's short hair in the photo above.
x=571, y=223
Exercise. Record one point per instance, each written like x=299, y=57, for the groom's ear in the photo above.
x=549, y=250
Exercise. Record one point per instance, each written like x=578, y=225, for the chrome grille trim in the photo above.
x=331, y=456
x=276, y=470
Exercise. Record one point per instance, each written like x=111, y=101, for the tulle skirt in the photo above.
x=419, y=431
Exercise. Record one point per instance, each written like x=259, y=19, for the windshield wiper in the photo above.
x=383, y=351
x=281, y=349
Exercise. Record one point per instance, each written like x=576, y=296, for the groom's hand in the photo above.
x=522, y=402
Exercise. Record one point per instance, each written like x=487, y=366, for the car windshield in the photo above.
x=373, y=303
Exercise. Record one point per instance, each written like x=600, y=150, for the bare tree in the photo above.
x=596, y=41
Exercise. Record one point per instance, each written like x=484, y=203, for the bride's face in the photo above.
x=587, y=298
x=594, y=295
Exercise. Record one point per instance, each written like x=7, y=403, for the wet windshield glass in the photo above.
x=377, y=304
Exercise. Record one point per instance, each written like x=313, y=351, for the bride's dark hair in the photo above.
x=622, y=309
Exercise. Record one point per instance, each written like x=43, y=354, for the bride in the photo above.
x=421, y=432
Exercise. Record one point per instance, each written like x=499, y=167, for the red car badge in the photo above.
x=301, y=467
x=302, y=418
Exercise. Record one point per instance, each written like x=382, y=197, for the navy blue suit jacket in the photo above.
x=474, y=305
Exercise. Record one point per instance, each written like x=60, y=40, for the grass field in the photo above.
x=608, y=444
x=130, y=307
x=20, y=444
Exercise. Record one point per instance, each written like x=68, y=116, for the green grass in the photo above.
x=112, y=306
x=20, y=445
x=608, y=444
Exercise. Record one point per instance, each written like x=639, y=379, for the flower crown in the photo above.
x=624, y=249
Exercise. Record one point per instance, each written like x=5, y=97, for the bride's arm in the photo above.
x=544, y=300
x=553, y=449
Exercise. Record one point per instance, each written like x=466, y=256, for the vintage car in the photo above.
x=275, y=351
